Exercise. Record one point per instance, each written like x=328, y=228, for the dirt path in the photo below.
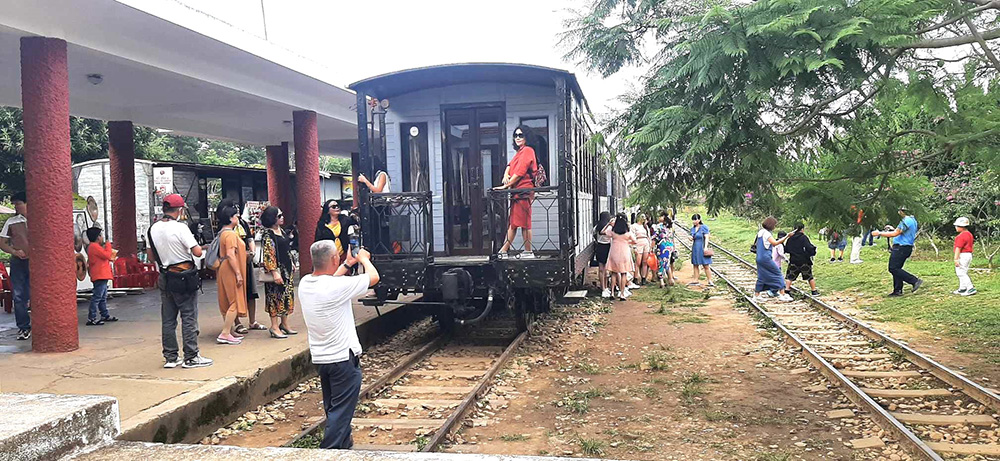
x=653, y=379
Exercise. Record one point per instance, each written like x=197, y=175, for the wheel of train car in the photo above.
x=446, y=320
x=526, y=307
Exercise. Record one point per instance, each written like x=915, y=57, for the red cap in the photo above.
x=173, y=201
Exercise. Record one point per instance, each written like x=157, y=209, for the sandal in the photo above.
x=109, y=319
x=258, y=327
x=240, y=329
x=95, y=322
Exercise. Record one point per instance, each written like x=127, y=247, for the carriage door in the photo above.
x=474, y=162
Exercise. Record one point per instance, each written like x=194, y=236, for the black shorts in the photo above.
x=794, y=270
x=601, y=250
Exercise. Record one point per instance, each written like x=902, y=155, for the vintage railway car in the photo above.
x=444, y=136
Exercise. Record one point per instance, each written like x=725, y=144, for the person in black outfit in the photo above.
x=800, y=251
x=334, y=226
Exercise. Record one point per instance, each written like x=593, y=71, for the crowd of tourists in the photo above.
x=628, y=254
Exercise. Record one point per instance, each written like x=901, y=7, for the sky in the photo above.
x=358, y=39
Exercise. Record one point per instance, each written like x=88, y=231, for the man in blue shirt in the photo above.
x=905, y=236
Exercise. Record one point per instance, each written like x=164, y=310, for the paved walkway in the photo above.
x=124, y=360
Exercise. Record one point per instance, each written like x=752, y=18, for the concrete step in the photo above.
x=47, y=426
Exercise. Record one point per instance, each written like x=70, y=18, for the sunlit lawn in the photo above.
x=974, y=321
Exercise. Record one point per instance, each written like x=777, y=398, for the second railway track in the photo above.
x=414, y=406
x=931, y=410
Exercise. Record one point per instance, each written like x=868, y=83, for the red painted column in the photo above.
x=49, y=178
x=278, y=180
x=308, y=205
x=121, y=154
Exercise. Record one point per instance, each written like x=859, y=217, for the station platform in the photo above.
x=124, y=360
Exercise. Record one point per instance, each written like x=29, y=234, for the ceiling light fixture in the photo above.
x=95, y=79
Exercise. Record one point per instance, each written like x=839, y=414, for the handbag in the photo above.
x=264, y=275
x=709, y=253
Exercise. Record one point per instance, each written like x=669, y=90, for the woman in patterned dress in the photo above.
x=663, y=236
x=279, y=295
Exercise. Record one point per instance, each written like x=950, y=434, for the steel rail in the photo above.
x=470, y=398
x=907, y=439
x=386, y=378
x=955, y=380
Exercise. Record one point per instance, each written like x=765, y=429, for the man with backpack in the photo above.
x=173, y=247
x=800, y=252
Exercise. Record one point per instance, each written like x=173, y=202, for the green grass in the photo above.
x=591, y=447
x=514, y=437
x=579, y=401
x=589, y=368
x=309, y=441
x=674, y=295
x=657, y=360
x=776, y=456
x=973, y=321
x=693, y=388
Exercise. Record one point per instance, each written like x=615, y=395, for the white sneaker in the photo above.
x=527, y=255
x=958, y=292
x=197, y=362
x=174, y=364
x=970, y=292
x=606, y=293
x=857, y=261
x=632, y=286
x=626, y=294
x=785, y=298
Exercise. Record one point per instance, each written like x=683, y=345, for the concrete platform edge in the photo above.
x=68, y=424
x=191, y=416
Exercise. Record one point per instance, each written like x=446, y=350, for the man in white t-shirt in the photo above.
x=173, y=248
x=14, y=240
x=325, y=297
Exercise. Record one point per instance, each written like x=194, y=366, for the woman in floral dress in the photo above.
x=663, y=236
x=279, y=295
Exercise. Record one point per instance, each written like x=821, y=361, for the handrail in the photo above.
x=530, y=189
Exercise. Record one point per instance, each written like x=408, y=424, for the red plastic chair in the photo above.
x=120, y=279
x=6, y=290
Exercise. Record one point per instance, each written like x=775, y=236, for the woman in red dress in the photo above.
x=520, y=175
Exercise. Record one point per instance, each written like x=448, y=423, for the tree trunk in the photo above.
x=937, y=253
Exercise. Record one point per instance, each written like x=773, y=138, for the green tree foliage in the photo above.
x=824, y=104
x=89, y=141
x=335, y=164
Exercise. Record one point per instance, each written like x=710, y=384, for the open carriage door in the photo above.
x=474, y=161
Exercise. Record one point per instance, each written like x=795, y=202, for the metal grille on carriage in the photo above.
x=401, y=225
x=546, y=233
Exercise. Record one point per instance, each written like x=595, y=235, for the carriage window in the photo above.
x=540, y=128
x=416, y=175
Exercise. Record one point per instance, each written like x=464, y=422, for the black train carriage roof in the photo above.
x=387, y=86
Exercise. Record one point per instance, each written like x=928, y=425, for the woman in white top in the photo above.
x=602, y=247
x=769, y=277
x=642, y=246
x=381, y=185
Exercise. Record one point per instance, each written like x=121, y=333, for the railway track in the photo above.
x=931, y=410
x=414, y=406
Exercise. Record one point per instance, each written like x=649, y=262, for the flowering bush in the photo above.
x=971, y=191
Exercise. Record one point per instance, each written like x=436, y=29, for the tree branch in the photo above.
x=993, y=4
x=982, y=43
x=951, y=41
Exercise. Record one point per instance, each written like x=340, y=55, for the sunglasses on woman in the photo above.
x=518, y=135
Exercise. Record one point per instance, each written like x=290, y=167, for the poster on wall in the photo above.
x=247, y=193
x=251, y=213
x=163, y=185
x=347, y=188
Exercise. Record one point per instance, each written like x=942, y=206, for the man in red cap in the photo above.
x=174, y=248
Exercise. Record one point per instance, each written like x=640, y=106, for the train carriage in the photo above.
x=443, y=134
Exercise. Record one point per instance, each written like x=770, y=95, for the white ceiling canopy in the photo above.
x=155, y=72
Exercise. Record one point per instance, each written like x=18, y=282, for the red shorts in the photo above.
x=520, y=213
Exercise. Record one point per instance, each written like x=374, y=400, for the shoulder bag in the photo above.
x=176, y=278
